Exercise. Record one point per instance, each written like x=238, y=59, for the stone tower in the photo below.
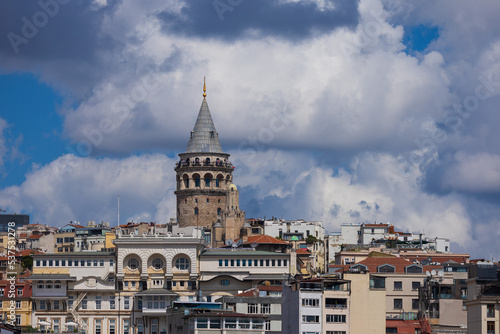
x=204, y=181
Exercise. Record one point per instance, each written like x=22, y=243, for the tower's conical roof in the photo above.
x=204, y=137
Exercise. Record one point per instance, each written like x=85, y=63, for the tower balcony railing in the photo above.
x=204, y=164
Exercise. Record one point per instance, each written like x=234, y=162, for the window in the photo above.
x=51, y=263
x=134, y=284
x=414, y=269
x=414, y=304
x=56, y=263
x=98, y=323
x=220, y=263
x=56, y=305
x=202, y=323
x=244, y=323
x=126, y=326
x=197, y=181
x=398, y=303
x=225, y=282
x=112, y=326
x=140, y=327
x=70, y=302
x=18, y=320
x=335, y=318
x=98, y=302
x=63, y=262
x=84, y=303
x=230, y=323
x=490, y=310
x=101, y=263
x=19, y=292
x=112, y=304
x=268, y=325
x=126, y=303
x=196, y=211
x=285, y=262
x=253, y=308
x=310, y=302
x=207, y=183
x=415, y=285
x=89, y=263
x=244, y=263
x=182, y=263
x=133, y=264
x=265, y=308
x=490, y=327
x=386, y=268
x=338, y=332
x=238, y=263
x=398, y=285
x=311, y=318
x=56, y=325
x=18, y=304
x=215, y=323
x=82, y=263
x=43, y=305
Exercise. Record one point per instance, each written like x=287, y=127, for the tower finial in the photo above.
x=204, y=88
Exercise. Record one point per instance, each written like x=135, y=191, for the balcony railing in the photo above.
x=338, y=306
x=204, y=164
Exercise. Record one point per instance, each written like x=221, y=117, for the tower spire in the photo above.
x=204, y=89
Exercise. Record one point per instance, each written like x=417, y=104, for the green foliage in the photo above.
x=311, y=239
x=27, y=262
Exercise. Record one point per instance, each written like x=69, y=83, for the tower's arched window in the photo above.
x=207, y=162
x=197, y=161
x=217, y=183
x=207, y=181
x=186, y=181
x=196, y=211
x=218, y=211
x=196, y=178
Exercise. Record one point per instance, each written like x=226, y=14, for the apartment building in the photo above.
x=15, y=300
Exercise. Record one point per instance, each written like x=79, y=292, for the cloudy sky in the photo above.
x=339, y=111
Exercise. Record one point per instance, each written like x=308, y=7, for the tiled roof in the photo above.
x=439, y=258
x=248, y=293
x=23, y=235
x=303, y=251
x=264, y=239
x=35, y=236
x=27, y=252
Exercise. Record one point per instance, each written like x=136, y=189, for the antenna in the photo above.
x=229, y=242
x=239, y=242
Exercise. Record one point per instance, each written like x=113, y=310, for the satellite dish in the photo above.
x=229, y=242
x=234, y=245
x=239, y=242
x=428, y=273
x=441, y=273
x=433, y=272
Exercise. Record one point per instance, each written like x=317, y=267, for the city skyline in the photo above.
x=338, y=111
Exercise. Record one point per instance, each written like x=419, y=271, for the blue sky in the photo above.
x=340, y=111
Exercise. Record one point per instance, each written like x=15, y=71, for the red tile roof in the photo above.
x=27, y=252
x=35, y=236
x=23, y=235
x=439, y=258
x=264, y=239
x=303, y=251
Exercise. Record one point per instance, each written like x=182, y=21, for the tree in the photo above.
x=311, y=239
x=27, y=262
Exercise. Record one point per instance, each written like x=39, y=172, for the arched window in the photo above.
x=182, y=263
x=207, y=181
x=186, y=181
x=196, y=178
x=218, y=211
x=133, y=264
x=207, y=162
x=414, y=269
x=157, y=263
x=196, y=211
x=217, y=183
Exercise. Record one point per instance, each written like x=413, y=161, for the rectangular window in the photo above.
x=42, y=305
x=18, y=304
x=310, y=318
x=265, y=308
x=273, y=263
x=2, y=291
x=112, y=304
x=18, y=319
x=414, y=304
x=226, y=263
x=38, y=263
x=285, y=262
x=238, y=263
x=82, y=263
x=56, y=305
x=230, y=323
x=63, y=263
x=70, y=263
x=56, y=325
x=202, y=323
x=51, y=263
x=126, y=303
x=255, y=263
x=98, y=323
x=244, y=263
x=84, y=303
x=268, y=325
x=126, y=326
x=98, y=302
x=215, y=323
x=398, y=285
x=232, y=263
x=490, y=327
x=56, y=263
x=310, y=302
x=267, y=263
x=279, y=263
x=253, y=308
x=101, y=263
x=19, y=292
x=220, y=263
x=112, y=326
x=490, y=310
x=415, y=285
x=70, y=302
x=262, y=263
x=249, y=263
x=398, y=303
x=336, y=318
x=89, y=263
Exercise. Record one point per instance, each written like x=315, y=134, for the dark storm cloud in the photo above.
x=230, y=20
